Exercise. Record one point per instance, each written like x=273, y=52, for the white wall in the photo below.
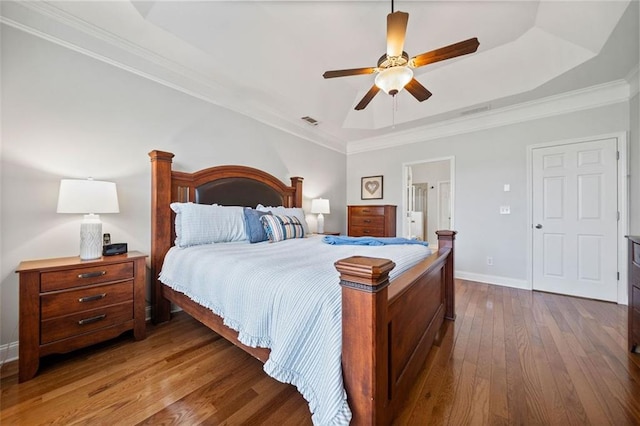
x=484, y=162
x=634, y=161
x=65, y=115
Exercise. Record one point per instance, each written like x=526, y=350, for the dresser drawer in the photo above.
x=59, y=280
x=368, y=221
x=366, y=231
x=84, y=322
x=636, y=254
x=367, y=210
x=72, y=301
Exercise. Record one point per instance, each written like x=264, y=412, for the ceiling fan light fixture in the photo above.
x=392, y=80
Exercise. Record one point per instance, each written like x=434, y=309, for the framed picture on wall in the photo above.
x=371, y=188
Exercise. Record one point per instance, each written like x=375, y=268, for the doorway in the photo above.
x=577, y=202
x=428, y=198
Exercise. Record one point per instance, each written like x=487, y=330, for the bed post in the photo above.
x=446, y=240
x=364, y=282
x=296, y=183
x=160, y=229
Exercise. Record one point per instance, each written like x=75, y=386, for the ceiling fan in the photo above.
x=395, y=68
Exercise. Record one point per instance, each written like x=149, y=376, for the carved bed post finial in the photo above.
x=364, y=282
x=446, y=239
x=160, y=229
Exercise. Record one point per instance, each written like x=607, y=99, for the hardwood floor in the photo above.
x=511, y=357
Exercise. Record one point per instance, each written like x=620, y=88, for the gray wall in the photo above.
x=634, y=161
x=65, y=115
x=484, y=162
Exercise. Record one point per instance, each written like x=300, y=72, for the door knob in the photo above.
x=538, y=226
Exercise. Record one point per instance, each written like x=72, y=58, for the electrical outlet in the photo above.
x=489, y=260
x=505, y=209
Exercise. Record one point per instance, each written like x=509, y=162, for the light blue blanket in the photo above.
x=341, y=240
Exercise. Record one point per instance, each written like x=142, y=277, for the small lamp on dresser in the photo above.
x=88, y=197
x=320, y=206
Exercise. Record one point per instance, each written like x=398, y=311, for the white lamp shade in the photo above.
x=87, y=196
x=320, y=205
x=392, y=80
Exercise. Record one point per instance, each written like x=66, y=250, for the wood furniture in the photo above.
x=67, y=303
x=387, y=329
x=371, y=221
x=634, y=293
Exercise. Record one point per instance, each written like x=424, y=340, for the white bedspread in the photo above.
x=284, y=296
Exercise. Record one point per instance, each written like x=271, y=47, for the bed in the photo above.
x=387, y=328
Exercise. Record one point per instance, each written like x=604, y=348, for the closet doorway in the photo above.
x=428, y=198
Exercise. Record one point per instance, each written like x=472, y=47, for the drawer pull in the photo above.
x=92, y=319
x=365, y=210
x=92, y=274
x=92, y=298
x=367, y=221
x=366, y=231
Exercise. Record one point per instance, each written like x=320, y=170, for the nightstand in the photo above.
x=67, y=303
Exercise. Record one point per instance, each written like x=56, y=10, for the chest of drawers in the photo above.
x=634, y=293
x=66, y=304
x=372, y=221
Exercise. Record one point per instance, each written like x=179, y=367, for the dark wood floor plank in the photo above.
x=512, y=357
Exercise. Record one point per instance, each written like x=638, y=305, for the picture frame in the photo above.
x=371, y=188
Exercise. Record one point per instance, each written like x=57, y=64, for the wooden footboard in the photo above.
x=387, y=330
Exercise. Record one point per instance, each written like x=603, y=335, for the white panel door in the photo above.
x=575, y=219
x=444, y=205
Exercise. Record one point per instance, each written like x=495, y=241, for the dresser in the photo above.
x=67, y=303
x=634, y=292
x=371, y=221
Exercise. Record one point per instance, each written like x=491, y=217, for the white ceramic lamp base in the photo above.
x=320, y=223
x=91, y=237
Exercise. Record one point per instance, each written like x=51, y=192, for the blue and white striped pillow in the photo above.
x=281, y=227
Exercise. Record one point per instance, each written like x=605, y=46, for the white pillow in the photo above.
x=206, y=224
x=287, y=211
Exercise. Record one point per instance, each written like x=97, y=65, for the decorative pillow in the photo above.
x=253, y=225
x=287, y=211
x=280, y=227
x=206, y=224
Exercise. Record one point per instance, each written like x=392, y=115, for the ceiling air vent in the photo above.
x=476, y=110
x=310, y=121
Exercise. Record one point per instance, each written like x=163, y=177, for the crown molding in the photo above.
x=578, y=100
x=85, y=38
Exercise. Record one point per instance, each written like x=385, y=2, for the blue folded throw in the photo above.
x=369, y=241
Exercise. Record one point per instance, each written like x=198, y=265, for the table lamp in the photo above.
x=88, y=197
x=320, y=206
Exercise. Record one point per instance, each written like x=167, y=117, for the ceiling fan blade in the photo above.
x=418, y=90
x=396, y=30
x=447, y=52
x=346, y=73
x=367, y=98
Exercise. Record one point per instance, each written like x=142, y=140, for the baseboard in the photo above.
x=493, y=279
x=8, y=352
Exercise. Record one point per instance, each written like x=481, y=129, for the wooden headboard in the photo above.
x=225, y=185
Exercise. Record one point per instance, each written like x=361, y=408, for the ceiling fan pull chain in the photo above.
x=394, y=107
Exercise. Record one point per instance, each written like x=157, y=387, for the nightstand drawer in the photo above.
x=367, y=210
x=69, y=302
x=59, y=280
x=84, y=322
x=368, y=221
